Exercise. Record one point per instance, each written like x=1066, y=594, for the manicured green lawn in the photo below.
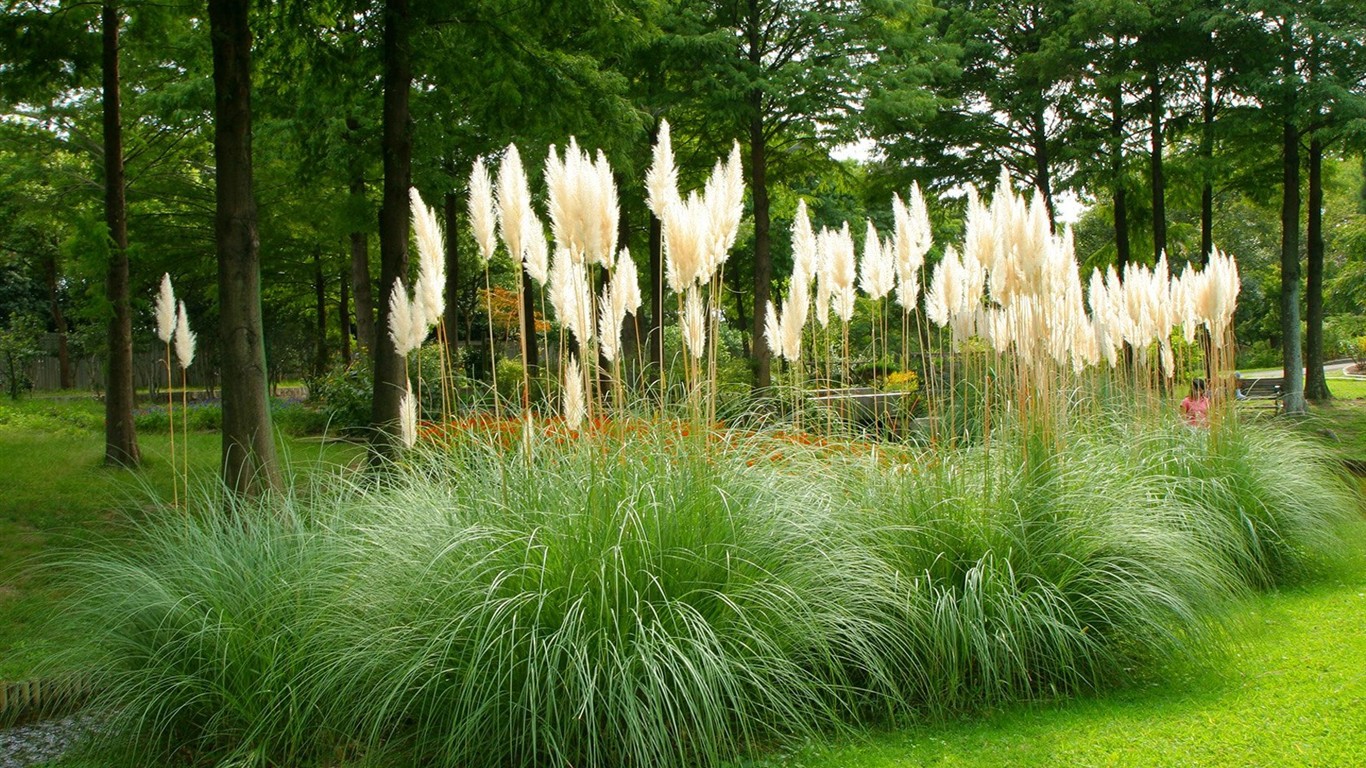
x=56, y=494
x=1293, y=692
x=1347, y=389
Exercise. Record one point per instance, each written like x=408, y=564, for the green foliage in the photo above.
x=18, y=344
x=660, y=599
x=344, y=394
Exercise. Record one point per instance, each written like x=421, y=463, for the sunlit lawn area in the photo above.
x=1291, y=692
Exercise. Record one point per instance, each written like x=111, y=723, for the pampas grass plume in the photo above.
x=536, y=250
x=431, y=250
x=407, y=418
x=184, y=338
x=574, y=405
x=165, y=310
x=626, y=284
x=482, y=218
x=400, y=319
x=514, y=201
x=694, y=323
x=661, y=181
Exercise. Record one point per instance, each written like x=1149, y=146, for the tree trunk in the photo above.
x=320, y=312
x=360, y=258
x=1290, y=270
x=1155, y=109
x=249, y=466
x=363, y=296
x=344, y=316
x=120, y=434
x=66, y=376
x=763, y=261
x=1043, y=178
x=452, y=318
x=393, y=227
x=1207, y=164
x=1315, y=383
x=758, y=170
x=1120, y=193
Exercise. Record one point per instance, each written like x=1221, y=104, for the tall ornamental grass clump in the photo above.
x=674, y=598
x=599, y=604
x=659, y=602
x=209, y=628
x=1271, y=503
x=1019, y=579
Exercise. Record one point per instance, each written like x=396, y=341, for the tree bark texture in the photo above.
x=397, y=146
x=320, y=312
x=344, y=315
x=758, y=170
x=1315, y=383
x=120, y=434
x=1207, y=164
x=1156, y=106
x=1117, y=180
x=1290, y=269
x=1043, y=178
x=249, y=464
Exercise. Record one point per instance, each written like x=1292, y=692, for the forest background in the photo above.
x=279, y=140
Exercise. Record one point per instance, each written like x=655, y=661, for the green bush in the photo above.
x=674, y=600
x=345, y=394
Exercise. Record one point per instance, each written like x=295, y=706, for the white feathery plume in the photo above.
x=795, y=310
x=804, y=260
x=561, y=284
x=608, y=210
x=773, y=335
x=685, y=235
x=840, y=267
x=941, y=299
x=694, y=323
x=400, y=319
x=609, y=325
x=184, y=338
x=840, y=261
x=431, y=251
x=483, y=221
x=878, y=272
x=583, y=204
x=823, y=249
x=407, y=418
x=583, y=306
x=625, y=283
x=165, y=310
x=724, y=197
x=536, y=249
x=661, y=181
x=418, y=320
x=574, y=405
x=513, y=202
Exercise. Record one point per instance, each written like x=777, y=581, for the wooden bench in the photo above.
x=1268, y=390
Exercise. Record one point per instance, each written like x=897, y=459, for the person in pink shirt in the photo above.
x=1195, y=408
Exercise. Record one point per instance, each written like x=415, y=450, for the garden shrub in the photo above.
x=344, y=393
x=673, y=598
